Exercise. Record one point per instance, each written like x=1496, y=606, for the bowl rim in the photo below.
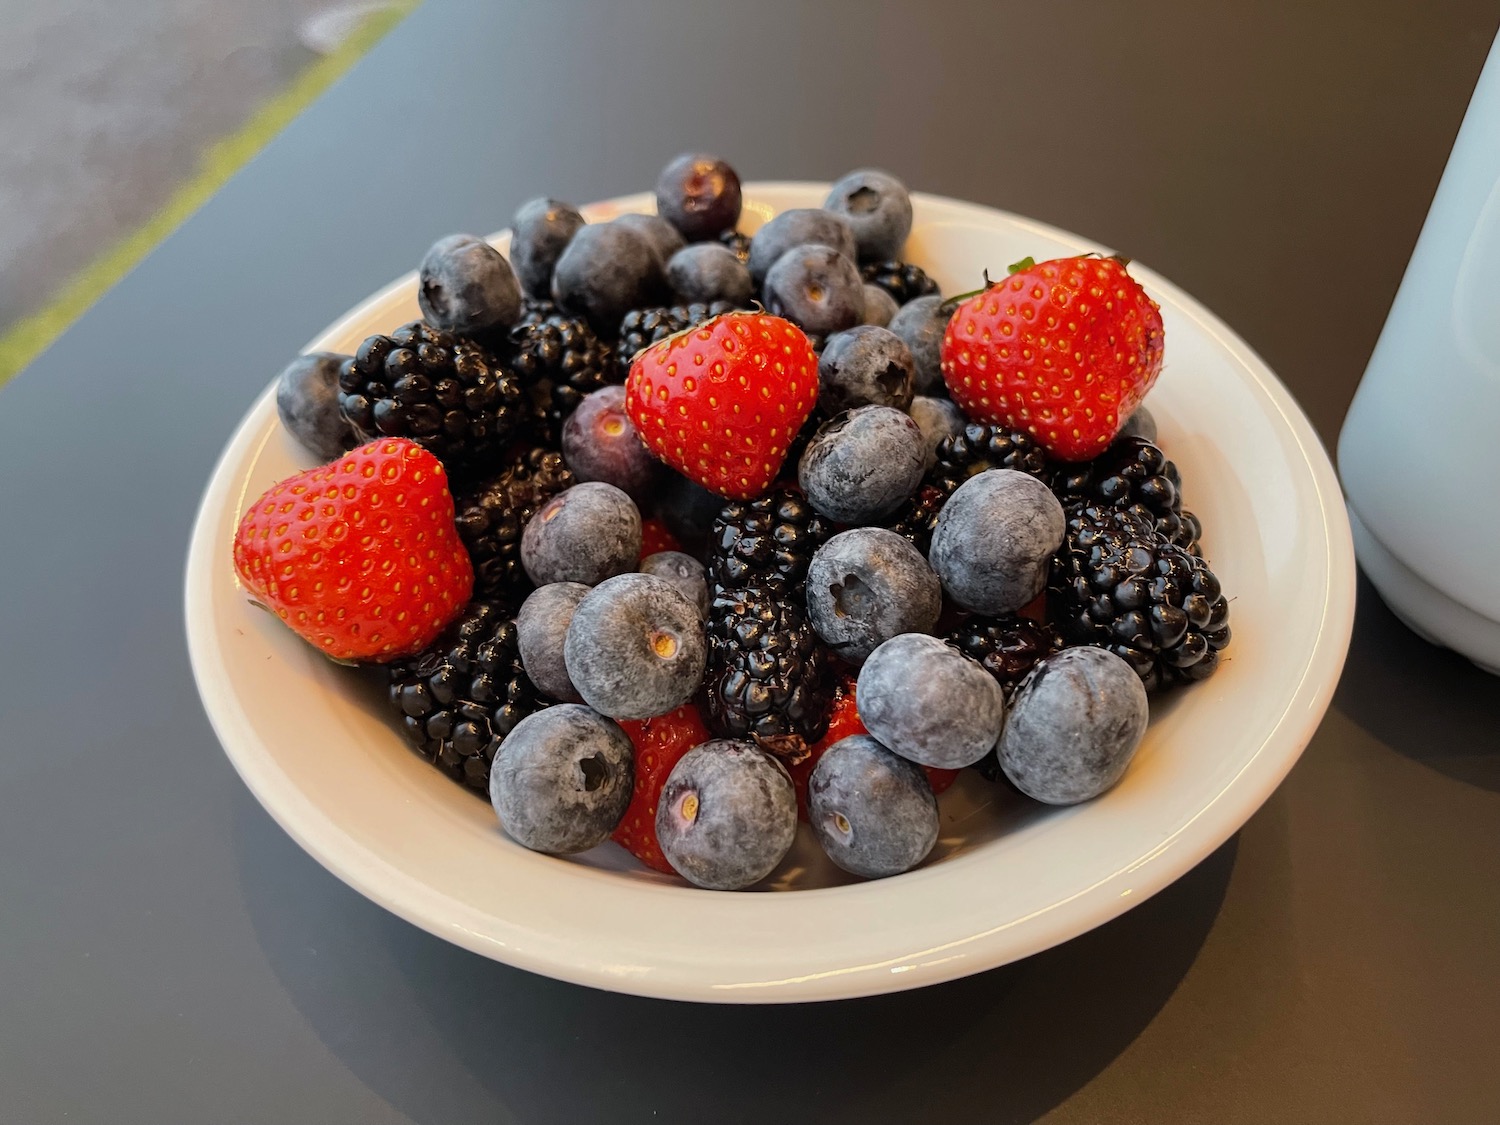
x=1241, y=794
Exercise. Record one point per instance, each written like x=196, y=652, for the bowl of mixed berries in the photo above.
x=768, y=537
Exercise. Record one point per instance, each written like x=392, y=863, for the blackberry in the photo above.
x=559, y=359
x=772, y=537
x=491, y=518
x=643, y=327
x=447, y=393
x=1119, y=583
x=739, y=243
x=1132, y=472
x=769, y=678
x=973, y=450
x=1007, y=647
x=461, y=697
x=902, y=280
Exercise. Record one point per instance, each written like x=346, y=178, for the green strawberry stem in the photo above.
x=953, y=302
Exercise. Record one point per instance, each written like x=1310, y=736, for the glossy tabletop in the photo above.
x=168, y=955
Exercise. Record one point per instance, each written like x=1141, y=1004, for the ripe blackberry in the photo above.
x=1132, y=471
x=1007, y=647
x=902, y=280
x=976, y=448
x=491, y=517
x=1119, y=583
x=559, y=360
x=769, y=677
x=739, y=243
x=447, y=393
x=772, y=537
x=643, y=327
x=461, y=697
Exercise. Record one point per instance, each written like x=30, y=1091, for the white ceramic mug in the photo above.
x=1420, y=450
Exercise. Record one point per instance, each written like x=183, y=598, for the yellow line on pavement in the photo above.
x=28, y=338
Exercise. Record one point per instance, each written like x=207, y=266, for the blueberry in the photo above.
x=709, y=271
x=663, y=235
x=1076, y=722
x=880, y=306
x=929, y=702
x=937, y=418
x=540, y=232
x=865, y=366
x=860, y=465
x=599, y=442
x=466, y=286
x=607, y=270
x=921, y=323
x=1140, y=424
x=562, y=780
x=699, y=195
x=994, y=540
x=873, y=811
x=801, y=226
x=867, y=585
x=816, y=288
x=684, y=572
x=541, y=628
x=586, y=534
x=635, y=647
x=878, y=207
x=307, y=398
x=727, y=815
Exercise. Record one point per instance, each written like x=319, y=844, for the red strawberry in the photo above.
x=359, y=557
x=721, y=402
x=939, y=779
x=655, y=537
x=660, y=744
x=1064, y=350
x=844, y=721
x=1036, y=608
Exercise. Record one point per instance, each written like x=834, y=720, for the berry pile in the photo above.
x=705, y=528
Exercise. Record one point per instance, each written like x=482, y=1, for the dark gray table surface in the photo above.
x=168, y=955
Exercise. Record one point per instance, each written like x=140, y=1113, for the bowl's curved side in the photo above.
x=635, y=935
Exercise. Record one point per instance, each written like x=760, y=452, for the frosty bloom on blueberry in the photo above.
x=867, y=585
x=586, y=534
x=307, y=400
x=873, y=811
x=727, y=815
x=1076, y=723
x=995, y=539
x=635, y=647
x=540, y=232
x=564, y=780
x=929, y=702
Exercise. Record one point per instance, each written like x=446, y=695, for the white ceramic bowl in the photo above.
x=1008, y=878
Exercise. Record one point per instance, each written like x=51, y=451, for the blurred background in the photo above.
x=121, y=116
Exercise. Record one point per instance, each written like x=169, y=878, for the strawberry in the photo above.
x=659, y=744
x=940, y=780
x=655, y=537
x=1064, y=350
x=844, y=721
x=721, y=402
x=1036, y=608
x=359, y=557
